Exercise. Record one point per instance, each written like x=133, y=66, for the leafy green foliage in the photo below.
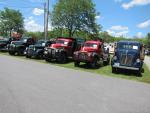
x=75, y=15
x=11, y=20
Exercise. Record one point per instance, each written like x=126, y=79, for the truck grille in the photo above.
x=51, y=52
x=11, y=48
x=126, y=59
x=83, y=56
x=30, y=51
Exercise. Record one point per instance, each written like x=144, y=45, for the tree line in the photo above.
x=70, y=18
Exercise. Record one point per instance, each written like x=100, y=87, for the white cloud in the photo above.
x=119, y=28
x=118, y=31
x=97, y=17
x=31, y=25
x=144, y=24
x=37, y=11
x=133, y=3
x=139, y=35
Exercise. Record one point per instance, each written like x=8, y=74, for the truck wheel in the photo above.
x=76, y=64
x=114, y=70
x=40, y=56
x=28, y=56
x=94, y=63
x=47, y=60
x=11, y=53
x=106, y=62
x=62, y=58
x=138, y=73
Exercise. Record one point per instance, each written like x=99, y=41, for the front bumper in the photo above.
x=31, y=52
x=83, y=58
x=124, y=67
x=51, y=54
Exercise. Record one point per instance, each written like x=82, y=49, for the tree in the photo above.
x=11, y=20
x=75, y=15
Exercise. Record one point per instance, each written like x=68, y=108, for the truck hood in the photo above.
x=133, y=53
x=88, y=49
x=57, y=46
x=37, y=46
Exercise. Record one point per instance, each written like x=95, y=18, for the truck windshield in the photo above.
x=62, y=42
x=23, y=39
x=127, y=46
x=41, y=43
x=18, y=43
x=93, y=45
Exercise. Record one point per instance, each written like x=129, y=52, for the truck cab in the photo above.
x=18, y=47
x=92, y=53
x=128, y=55
x=61, y=49
x=37, y=50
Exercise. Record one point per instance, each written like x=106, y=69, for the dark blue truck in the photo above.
x=128, y=55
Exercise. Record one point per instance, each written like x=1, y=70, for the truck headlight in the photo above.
x=138, y=60
x=46, y=49
x=45, y=52
x=13, y=45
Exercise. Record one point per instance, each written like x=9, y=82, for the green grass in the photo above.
x=105, y=70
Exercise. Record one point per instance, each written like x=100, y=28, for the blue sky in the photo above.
x=130, y=18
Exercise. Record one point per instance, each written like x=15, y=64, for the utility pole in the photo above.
x=45, y=21
x=46, y=15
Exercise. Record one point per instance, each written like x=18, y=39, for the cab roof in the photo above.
x=129, y=42
x=66, y=39
x=94, y=41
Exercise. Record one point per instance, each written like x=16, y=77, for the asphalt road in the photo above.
x=31, y=87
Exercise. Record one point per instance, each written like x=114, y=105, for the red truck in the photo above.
x=61, y=50
x=93, y=53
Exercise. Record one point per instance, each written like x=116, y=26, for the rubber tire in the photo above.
x=40, y=56
x=76, y=64
x=138, y=73
x=62, y=58
x=94, y=63
x=47, y=60
x=11, y=53
x=28, y=56
x=114, y=70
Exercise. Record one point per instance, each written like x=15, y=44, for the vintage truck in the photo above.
x=3, y=44
x=18, y=47
x=61, y=50
x=37, y=50
x=93, y=53
x=128, y=55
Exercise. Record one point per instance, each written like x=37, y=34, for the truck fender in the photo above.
x=39, y=50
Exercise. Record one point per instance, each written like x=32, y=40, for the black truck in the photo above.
x=37, y=50
x=18, y=47
x=128, y=55
x=3, y=44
